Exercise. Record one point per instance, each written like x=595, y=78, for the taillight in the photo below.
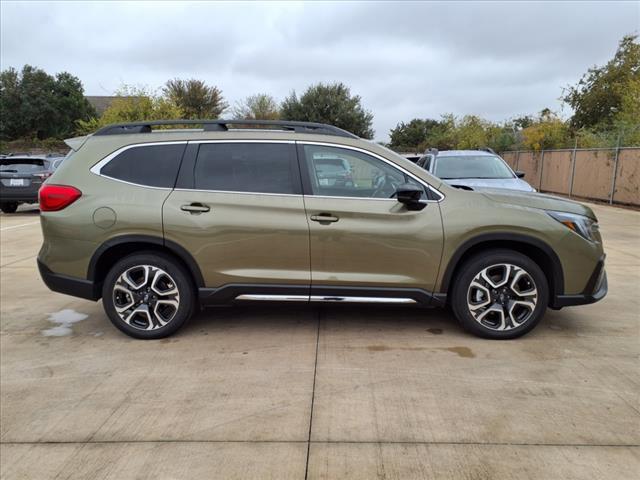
x=56, y=197
x=42, y=176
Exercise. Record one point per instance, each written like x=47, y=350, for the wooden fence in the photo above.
x=609, y=174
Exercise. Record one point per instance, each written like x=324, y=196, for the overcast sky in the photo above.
x=493, y=59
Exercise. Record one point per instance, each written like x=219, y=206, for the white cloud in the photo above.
x=494, y=59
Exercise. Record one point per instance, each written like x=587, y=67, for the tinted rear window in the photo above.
x=21, y=165
x=154, y=165
x=247, y=167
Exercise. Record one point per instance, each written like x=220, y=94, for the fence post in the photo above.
x=573, y=167
x=517, y=160
x=615, y=171
x=541, y=168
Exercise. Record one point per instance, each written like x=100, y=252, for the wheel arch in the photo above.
x=117, y=247
x=536, y=249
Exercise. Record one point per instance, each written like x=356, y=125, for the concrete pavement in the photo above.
x=317, y=392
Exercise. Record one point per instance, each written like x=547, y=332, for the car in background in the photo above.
x=333, y=172
x=21, y=176
x=472, y=169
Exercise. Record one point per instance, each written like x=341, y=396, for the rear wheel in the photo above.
x=148, y=295
x=500, y=294
x=9, y=207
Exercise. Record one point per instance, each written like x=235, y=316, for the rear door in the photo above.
x=363, y=242
x=238, y=209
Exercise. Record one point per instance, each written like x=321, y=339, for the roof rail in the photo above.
x=223, y=126
x=488, y=149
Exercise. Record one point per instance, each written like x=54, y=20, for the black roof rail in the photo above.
x=488, y=149
x=223, y=126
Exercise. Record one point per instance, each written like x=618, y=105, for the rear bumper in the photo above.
x=77, y=287
x=596, y=289
x=26, y=195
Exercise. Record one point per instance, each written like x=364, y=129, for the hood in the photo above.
x=476, y=183
x=538, y=200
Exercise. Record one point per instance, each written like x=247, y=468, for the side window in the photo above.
x=340, y=172
x=153, y=165
x=247, y=167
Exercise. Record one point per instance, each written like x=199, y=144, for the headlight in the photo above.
x=583, y=226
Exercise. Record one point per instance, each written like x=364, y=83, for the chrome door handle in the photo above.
x=324, y=218
x=195, y=208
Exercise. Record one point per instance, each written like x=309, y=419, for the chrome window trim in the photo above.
x=96, y=169
x=238, y=193
x=379, y=157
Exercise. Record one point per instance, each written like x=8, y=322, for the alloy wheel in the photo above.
x=502, y=297
x=146, y=297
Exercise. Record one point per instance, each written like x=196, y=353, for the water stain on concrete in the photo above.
x=464, y=352
x=435, y=331
x=64, y=320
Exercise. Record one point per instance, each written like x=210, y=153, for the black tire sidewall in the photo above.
x=183, y=281
x=9, y=207
x=472, y=267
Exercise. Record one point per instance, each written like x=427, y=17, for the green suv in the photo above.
x=160, y=222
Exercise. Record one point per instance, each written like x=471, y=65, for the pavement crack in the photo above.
x=313, y=395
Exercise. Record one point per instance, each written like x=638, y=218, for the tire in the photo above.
x=9, y=207
x=140, y=311
x=507, y=311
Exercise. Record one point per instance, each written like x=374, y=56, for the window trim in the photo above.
x=96, y=169
x=306, y=180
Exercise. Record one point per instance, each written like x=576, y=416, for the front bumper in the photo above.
x=596, y=289
x=77, y=287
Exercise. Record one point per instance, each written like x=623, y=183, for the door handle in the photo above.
x=325, y=218
x=195, y=208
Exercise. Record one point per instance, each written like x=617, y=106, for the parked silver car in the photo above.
x=473, y=169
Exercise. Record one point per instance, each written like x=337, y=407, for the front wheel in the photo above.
x=9, y=207
x=148, y=295
x=500, y=294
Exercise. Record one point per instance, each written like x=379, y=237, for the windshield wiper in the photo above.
x=11, y=171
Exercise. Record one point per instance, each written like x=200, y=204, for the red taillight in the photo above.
x=56, y=197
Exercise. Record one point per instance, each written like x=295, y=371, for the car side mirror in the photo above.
x=519, y=174
x=409, y=195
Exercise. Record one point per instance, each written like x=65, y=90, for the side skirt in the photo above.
x=243, y=293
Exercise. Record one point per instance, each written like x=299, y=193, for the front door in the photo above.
x=364, y=242
x=239, y=212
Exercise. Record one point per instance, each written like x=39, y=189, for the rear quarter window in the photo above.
x=152, y=165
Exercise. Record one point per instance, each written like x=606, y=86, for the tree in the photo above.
x=257, y=107
x=409, y=136
x=332, y=104
x=598, y=98
x=548, y=131
x=195, y=98
x=133, y=104
x=34, y=103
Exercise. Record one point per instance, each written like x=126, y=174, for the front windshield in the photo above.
x=471, y=166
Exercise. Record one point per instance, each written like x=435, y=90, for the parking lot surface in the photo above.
x=317, y=392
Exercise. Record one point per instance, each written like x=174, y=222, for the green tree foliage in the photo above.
x=409, y=136
x=133, y=104
x=257, y=107
x=36, y=104
x=195, y=98
x=332, y=104
x=600, y=98
x=548, y=131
